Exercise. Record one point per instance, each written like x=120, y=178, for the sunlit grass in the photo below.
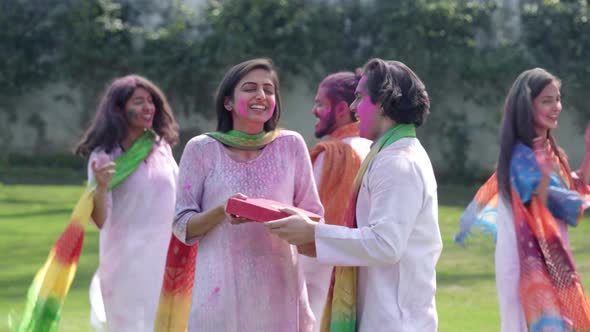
x=31, y=218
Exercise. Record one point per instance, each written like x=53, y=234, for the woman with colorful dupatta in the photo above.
x=538, y=286
x=386, y=250
x=135, y=218
x=246, y=279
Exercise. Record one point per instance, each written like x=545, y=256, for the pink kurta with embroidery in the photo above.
x=246, y=278
x=134, y=240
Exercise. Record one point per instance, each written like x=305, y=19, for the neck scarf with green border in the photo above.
x=340, y=309
x=239, y=140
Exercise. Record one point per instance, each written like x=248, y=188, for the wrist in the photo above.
x=220, y=212
x=313, y=230
x=101, y=189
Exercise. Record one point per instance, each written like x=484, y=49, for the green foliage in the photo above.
x=557, y=35
x=26, y=48
x=449, y=43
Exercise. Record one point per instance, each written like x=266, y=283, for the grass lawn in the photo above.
x=31, y=217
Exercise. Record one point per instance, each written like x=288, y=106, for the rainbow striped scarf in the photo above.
x=51, y=284
x=179, y=275
x=340, y=310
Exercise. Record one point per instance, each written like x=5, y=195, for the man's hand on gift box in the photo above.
x=296, y=229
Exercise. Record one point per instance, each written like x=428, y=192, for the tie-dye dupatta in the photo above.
x=340, y=310
x=176, y=295
x=550, y=288
x=50, y=286
x=480, y=214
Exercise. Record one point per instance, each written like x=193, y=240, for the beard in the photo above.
x=327, y=125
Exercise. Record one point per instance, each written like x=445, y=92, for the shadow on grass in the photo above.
x=463, y=278
x=36, y=213
x=43, y=176
x=24, y=201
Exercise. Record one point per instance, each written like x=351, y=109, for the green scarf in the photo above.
x=48, y=291
x=239, y=140
x=340, y=310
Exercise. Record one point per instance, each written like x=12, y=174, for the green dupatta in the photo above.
x=239, y=140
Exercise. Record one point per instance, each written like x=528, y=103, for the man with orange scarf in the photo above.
x=335, y=164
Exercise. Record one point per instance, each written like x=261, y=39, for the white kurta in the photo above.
x=396, y=245
x=134, y=240
x=317, y=275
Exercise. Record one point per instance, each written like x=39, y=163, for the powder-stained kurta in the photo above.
x=246, y=278
x=134, y=240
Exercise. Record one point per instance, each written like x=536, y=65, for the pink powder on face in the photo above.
x=366, y=111
x=271, y=104
x=242, y=107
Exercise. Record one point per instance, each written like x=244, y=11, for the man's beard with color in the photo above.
x=327, y=125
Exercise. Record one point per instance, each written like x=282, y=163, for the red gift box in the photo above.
x=259, y=209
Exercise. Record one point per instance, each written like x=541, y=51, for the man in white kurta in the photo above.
x=397, y=242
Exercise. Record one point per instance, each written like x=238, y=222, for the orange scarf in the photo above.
x=340, y=165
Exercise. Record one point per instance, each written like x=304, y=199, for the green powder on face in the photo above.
x=131, y=114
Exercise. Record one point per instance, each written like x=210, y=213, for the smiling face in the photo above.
x=547, y=107
x=253, y=101
x=324, y=113
x=366, y=111
x=140, y=110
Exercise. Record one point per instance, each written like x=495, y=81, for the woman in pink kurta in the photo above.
x=246, y=278
x=135, y=218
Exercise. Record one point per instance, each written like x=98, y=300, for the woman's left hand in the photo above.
x=233, y=219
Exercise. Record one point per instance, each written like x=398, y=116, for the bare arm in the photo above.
x=201, y=223
x=99, y=213
x=103, y=175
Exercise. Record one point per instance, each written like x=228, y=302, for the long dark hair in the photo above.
x=518, y=122
x=401, y=93
x=110, y=124
x=228, y=84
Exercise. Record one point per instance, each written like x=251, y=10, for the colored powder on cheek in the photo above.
x=131, y=114
x=242, y=108
x=272, y=105
x=366, y=112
